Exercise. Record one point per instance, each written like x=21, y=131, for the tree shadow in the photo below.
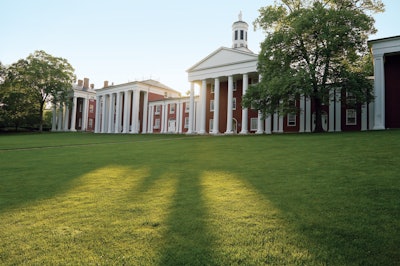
x=187, y=238
x=26, y=179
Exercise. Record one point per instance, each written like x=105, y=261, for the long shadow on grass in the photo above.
x=27, y=177
x=335, y=201
x=188, y=241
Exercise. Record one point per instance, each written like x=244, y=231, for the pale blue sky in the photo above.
x=124, y=40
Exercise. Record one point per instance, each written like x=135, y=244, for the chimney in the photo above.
x=85, y=83
x=80, y=82
x=92, y=86
x=106, y=84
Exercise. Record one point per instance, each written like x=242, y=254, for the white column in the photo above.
x=126, y=111
x=245, y=110
x=66, y=117
x=97, y=116
x=60, y=117
x=229, y=110
x=191, y=109
x=259, y=123
x=338, y=111
x=54, y=117
x=331, y=111
x=145, y=112
x=268, y=125
x=135, y=111
x=364, y=117
x=216, y=107
x=280, y=121
x=110, y=113
x=73, y=115
x=162, y=122
x=379, y=91
x=276, y=124
x=104, y=114
x=308, y=115
x=118, y=111
x=302, y=114
x=85, y=113
x=371, y=117
x=179, y=123
x=149, y=119
x=203, y=107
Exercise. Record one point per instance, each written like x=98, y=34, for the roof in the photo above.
x=384, y=39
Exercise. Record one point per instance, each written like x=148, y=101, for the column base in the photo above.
x=244, y=132
x=228, y=133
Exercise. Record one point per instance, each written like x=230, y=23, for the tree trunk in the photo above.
x=318, y=116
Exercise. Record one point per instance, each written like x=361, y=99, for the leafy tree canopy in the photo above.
x=36, y=80
x=311, y=47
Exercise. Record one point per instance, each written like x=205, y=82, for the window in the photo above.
x=80, y=122
x=254, y=124
x=351, y=117
x=236, y=34
x=80, y=108
x=291, y=120
x=211, y=125
x=172, y=108
x=241, y=34
x=187, y=107
x=234, y=86
x=212, y=88
x=186, y=122
x=157, y=123
x=91, y=108
x=212, y=106
x=233, y=103
x=90, y=122
x=158, y=109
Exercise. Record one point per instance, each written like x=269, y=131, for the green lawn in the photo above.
x=78, y=198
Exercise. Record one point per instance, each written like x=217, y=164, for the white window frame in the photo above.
x=211, y=125
x=157, y=123
x=233, y=103
x=158, y=109
x=187, y=107
x=253, y=124
x=186, y=122
x=172, y=108
x=291, y=120
x=90, y=124
x=354, y=113
x=212, y=88
x=211, y=105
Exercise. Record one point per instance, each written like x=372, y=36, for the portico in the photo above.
x=223, y=78
x=124, y=108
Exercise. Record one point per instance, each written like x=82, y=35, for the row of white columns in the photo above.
x=114, y=117
x=60, y=117
x=165, y=120
x=203, y=107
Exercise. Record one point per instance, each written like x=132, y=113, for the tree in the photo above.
x=312, y=47
x=40, y=78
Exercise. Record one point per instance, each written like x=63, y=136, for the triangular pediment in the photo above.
x=222, y=57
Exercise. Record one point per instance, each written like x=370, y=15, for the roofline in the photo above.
x=216, y=51
x=384, y=39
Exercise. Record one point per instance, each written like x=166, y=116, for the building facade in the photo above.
x=386, y=53
x=124, y=108
x=225, y=75
x=223, y=78
x=78, y=114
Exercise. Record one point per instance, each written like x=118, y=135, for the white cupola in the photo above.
x=239, y=34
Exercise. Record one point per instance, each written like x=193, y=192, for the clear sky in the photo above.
x=128, y=40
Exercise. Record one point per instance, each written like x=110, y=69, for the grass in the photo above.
x=78, y=199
